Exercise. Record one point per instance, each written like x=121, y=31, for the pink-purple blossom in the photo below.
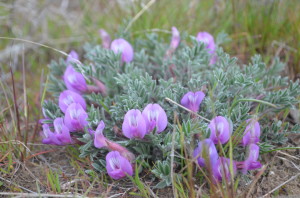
x=220, y=130
x=155, y=117
x=105, y=38
x=60, y=136
x=175, y=38
x=192, y=100
x=134, y=125
x=75, y=117
x=74, y=80
x=124, y=48
x=208, y=40
x=72, y=57
x=68, y=97
x=118, y=166
x=251, y=162
x=221, y=170
x=206, y=150
x=251, y=133
x=99, y=139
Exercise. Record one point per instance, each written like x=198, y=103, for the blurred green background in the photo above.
x=267, y=27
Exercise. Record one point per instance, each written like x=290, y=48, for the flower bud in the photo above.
x=175, y=38
x=105, y=38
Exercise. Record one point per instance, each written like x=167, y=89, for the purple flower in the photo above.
x=222, y=169
x=105, y=38
x=68, y=97
x=251, y=133
x=60, y=136
x=220, y=130
x=134, y=125
x=192, y=100
x=155, y=116
x=62, y=132
x=99, y=140
x=117, y=166
x=74, y=80
x=251, y=162
x=72, y=57
x=206, y=150
x=175, y=38
x=122, y=46
x=208, y=40
x=75, y=117
x=48, y=136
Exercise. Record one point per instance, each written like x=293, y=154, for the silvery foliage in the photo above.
x=229, y=89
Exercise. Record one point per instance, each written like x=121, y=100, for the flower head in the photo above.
x=251, y=133
x=74, y=80
x=105, y=38
x=68, y=97
x=175, y=38
x=222, y=169
x=206, y=150
x=155, y=116
x=75, y=117
x=100, y=140
x=122, y=46
x=117, y=166
x=208, y=40
x=134, y=125
x=220, y=130
x=192, y=100
x=251, y=162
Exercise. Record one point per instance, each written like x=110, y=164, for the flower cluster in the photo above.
x=220, y=132
x=77, y=120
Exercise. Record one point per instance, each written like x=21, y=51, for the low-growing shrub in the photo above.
x=138, y=106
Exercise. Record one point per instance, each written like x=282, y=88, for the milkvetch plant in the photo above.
x=113, y=103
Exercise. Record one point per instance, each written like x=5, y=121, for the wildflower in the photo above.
x=251, y=162
x=74, y=80
x=68, y=97
x=192, y=100
x=208, y=40
x=134, y=125
x=72, y=57
x=60, y=136
x=105, y=38
x=62, y=132
x=99, y=140
x=155, y=117
x=117, y=166
x=48, y=136
x=122, y=46
x=222, y=169
x=175, y=38
x=75, y=117
x=251, y=133
x=220, y=130
x=206, y=150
